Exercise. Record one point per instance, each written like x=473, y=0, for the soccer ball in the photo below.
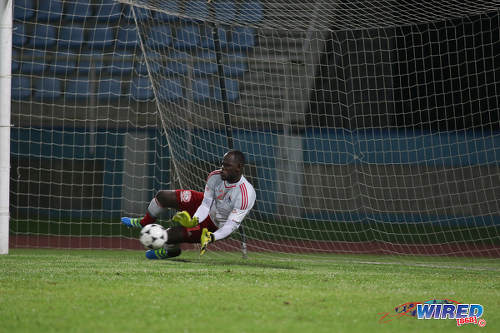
x=153, y=236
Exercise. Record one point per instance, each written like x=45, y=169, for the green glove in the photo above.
x=206, y=238
x=184, y=219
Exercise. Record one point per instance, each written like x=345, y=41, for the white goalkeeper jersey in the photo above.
x=226, y=203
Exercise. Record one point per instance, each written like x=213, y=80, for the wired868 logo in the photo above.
x=438, y=309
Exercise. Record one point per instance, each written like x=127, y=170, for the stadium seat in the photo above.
x=250, y=12
x=49, y=10
x=141, y=14
x=232, y=90
x=196, y=9
x=43, y=36
x=243, y=38
x=121, y=64
x=33, y=62
x=141, y=68
x=159, y=37
x=204, y=68
x=225, y=11
x=15, y=62
x=20, y=87
x=24, y=10
x=100, y=37
x=78, y=89
x=208, y=41
x=236, y=65
x=109, y=89
x=78, y=10
x=170, y=90
x=30, y=67
x=108, y=11
x=63, y=64
x=187, y=37
x=19, y=37
x=71, y=36
x=201, y=90
x=141, y=89
x=47, y=89
x=169, y=6
x=128, y=37
x=90, y=61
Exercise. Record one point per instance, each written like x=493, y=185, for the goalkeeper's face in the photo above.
x=231, y=169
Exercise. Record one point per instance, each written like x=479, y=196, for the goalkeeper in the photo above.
x=216, y=213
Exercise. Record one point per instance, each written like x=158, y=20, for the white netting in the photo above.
x=368, y=126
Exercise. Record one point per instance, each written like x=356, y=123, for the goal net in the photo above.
x=368, y=127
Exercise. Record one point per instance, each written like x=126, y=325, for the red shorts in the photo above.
x=189, y=201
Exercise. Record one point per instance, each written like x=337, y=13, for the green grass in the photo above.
x=120, y=291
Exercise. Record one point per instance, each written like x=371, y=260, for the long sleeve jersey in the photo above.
x=226, y=203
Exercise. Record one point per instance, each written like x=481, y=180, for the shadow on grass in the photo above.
x=246, y=263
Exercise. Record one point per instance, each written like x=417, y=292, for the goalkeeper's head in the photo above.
x=232, y=166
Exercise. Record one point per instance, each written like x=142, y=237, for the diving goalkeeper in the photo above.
x=216, y=213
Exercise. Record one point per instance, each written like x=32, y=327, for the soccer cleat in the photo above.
x=131, y=222
x=160, y=253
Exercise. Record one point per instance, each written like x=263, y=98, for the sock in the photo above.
x=154, y=209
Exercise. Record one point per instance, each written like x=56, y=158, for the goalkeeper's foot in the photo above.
x=160, y=253
x=164, y=253
x=131, y=222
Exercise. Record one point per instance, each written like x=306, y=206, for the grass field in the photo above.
x=120, y=291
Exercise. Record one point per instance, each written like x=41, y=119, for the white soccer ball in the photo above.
x=153, y=236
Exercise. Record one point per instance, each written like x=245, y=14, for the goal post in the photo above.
x=369, y=127
x=5, y=72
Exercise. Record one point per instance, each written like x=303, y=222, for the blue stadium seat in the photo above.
x=19, y=37
x=108, y=11
x=77, y=89
x=243, y=38
x=236, y=65
x=225, y=11
x=141, y=68
x=160, y=36
x=232, y=90
x=15, y=63
x=187, y=37
x=109, y=89
x=201, y=90
x=204, y=68
x=208, y=41
x=63, y=64
x=170, y=90
x=128, y=37
x=33, y=63
x=78, y=10
x=121, y=64
x=47, y=89
x=24, y=10
x=196, y=9
x=250, y=12
x=141, y=89
x=20, y=87
x=49, y=10
x=141, y=14
x=169, y=6
x=100, y=37
x=71, y=36
x=43, y=36
x=176, y=67
x=90, y=61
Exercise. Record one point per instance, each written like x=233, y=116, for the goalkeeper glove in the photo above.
x=207, y=237
x=184, y=219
